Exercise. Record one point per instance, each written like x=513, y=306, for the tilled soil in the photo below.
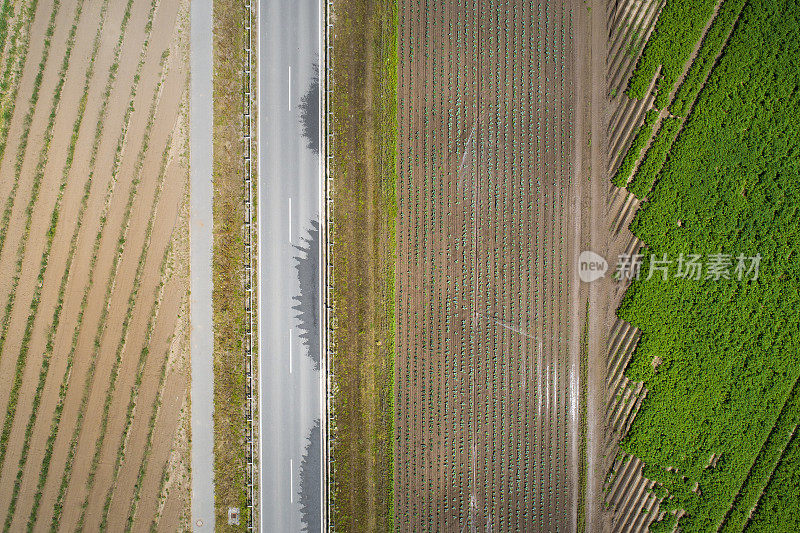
x=87, y=345
x=488, y=300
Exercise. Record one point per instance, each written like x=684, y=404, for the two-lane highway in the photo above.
x=289, y=302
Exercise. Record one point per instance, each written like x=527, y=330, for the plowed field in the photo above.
x=93, y=281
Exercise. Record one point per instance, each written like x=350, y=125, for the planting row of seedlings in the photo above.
x=140, y=168
x=48, y=402
x=50, y=341
x=472, y=200
x=108, y=107
x=37, y=345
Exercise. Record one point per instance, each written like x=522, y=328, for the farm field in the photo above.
x=712, y=171
x=93, y=265
x=489, y=307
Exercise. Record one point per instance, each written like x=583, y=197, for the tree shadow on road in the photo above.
x=310, y=482
x=307, y=302
x=309, y=113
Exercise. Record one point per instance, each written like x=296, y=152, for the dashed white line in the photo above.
x=291, y=480
x=290, y=350
x=290, y=88
x=290, y=220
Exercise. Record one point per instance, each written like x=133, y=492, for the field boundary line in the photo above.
x=326, y=264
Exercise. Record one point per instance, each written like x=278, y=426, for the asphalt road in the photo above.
x=289, y=211
x=202, y=335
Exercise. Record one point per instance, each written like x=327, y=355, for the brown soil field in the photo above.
x=94, y=266
x=494, y=189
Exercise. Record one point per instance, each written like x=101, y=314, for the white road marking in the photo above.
x=290, y=350
x=291, y=480
x=290, y=220
x=290, y=88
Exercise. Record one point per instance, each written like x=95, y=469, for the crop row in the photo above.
x=643, y=133
x=779, y=507
x=697, y=329
x=479, y=384
x=54, y=218
x=655, y=156
x=764, y=465
x=21, y=359
x=132, y=295
x=678, y=28
x=26, y=128
x=121, y=141
x=104, y=316
x=55, y=423
x=12, y=69
x=713, y=43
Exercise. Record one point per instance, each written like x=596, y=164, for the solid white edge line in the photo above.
x=258, y=526
x=290, y=350
x=322, y=243
x=290, y=88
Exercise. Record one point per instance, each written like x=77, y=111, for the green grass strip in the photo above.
x=40, y=282
x=764, y=464
x=712, y=46
x=37, y=180
x=655, y=157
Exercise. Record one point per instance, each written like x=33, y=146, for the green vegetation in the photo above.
x=676, y=32
x=623, y=174
x=779, y=508
x=21, y=358
x=228, y=264
x=655, y=157
x=365, y=207
x=729, y=348
x=764, y=465
x=713, y=42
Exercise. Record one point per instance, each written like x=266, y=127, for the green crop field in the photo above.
x=716, y=420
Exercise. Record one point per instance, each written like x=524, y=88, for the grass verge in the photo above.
x=228, y=265
x=365, y=205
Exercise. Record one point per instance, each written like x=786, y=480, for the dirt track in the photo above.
x=489, y=307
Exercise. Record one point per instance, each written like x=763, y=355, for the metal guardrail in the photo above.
x=249, y=262
x=326, y=234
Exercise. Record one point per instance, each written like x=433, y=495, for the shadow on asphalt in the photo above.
x=310, y=482
x=306, y=303
x=309, y=113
